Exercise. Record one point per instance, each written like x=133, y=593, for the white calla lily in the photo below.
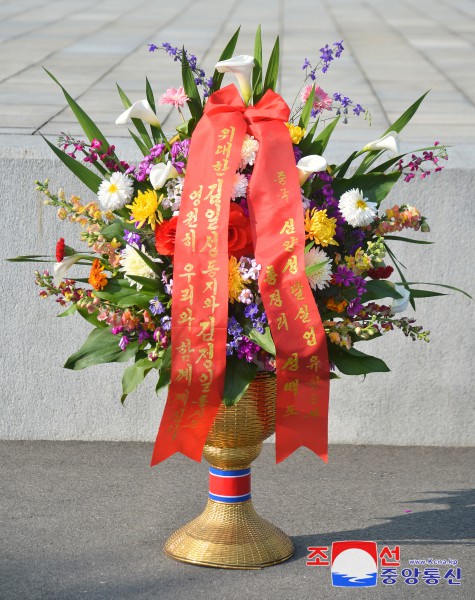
x=390, y=142
x=310, y=164
x=139, y=110
x=400, y=304
x=161, y=173
x=62, y=267
x=242, y=67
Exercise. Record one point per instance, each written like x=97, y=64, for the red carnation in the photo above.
x=381, y=272
x=165, y=237
x=60, y=250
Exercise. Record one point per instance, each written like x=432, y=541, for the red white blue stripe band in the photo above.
x=229, y=486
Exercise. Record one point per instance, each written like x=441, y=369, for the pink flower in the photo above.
x=174, y=96
x=322, y=100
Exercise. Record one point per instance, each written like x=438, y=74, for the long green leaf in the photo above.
x=257, y=71
x=376, y=289
x=448, y=287
x=157, y=133
x=321, y=141
x=90, y=179
x=264, y=340
x=375, y=186
x=307, y=110
x=165, y=369
x=225, y=54
x=400, y=238
x=396, y=263
x=89, y=127
x=239, y=374
x=189, y=84
x=272, y=72
x=404, y=119
x=135, y=374
x=354, y=362
x=100, y=347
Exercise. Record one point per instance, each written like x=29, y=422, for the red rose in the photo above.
x=239, y=233
x=60, y=250
x=165, y=237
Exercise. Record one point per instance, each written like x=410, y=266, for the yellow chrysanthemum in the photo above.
x=235, y=280
x=145, y=208
x=320, y=228
x=296, y=133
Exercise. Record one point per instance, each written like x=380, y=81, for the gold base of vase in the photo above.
x=230, y=536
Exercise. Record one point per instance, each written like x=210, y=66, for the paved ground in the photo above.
x=395, y=51
x=88, y=520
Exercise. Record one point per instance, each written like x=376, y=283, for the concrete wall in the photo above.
x=425, y=400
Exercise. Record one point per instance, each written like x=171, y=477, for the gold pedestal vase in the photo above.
x=229, y=533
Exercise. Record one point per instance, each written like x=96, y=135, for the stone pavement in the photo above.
x=88, y=520
x=395, y=51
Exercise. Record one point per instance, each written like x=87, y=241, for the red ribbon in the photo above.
x=200, y=281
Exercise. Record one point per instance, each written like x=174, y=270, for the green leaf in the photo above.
x=263, y=340
x=157, y=133
x=148, y=285
x=89, y=127
x=376, y=289
x=354, y=362
x=194, y=102
x=186, y=129
x=69, y=311
x=225, y=54
x=100, y=347
x=239, y=374
x=404, y=119
x=307, y=109
x=401, y=274
x=343, y=168
x=400, y=238
x=272, y=72
x=321, y=141
x=128, y=297
x=90, y=179
x=375, y=186
x=116, y=229
x=35, y=258
x=135, y=374
x=424, y=293
x=142, y=147
x=306, y=143
x=92, y=319
x=257, y=71
x=165, y=369
x=448, y=287
x=138, y=124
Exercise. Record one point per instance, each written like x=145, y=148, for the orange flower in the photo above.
x=338, y=307
x=97, y=278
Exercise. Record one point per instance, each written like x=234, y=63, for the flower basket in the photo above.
x=241, y=266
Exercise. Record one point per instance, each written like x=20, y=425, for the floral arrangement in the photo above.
x=129, y=223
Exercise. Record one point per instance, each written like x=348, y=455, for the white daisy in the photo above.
x=133, y=264
x=318, y=268
x=116, y=192
x=240, y=186
x=249, y=149
x=356, y=210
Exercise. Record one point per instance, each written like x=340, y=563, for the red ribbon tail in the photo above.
x=288, y=441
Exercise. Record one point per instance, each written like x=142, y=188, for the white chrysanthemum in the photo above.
x=249, y=149
x=318, y=268
x=116, y=192
x=356, y=210
x=240, y=186
x=174, y=189
x=133, y=264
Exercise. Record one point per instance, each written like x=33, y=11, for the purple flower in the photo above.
x=251, y=311
x=234, y=328
x=326, y=56
x=354, y=307
x=297, y=153
x=339, y=48
x=156, y=307
x=124, y=342
x=306, y=64
x=344, y=276
x=117, y=330
x=131, y=237
x=166, y=323
x=358, y=109
x=152, y=47
x=247, y=349
x=143, y=335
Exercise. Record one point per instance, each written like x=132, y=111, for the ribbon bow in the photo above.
x=200, y=281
